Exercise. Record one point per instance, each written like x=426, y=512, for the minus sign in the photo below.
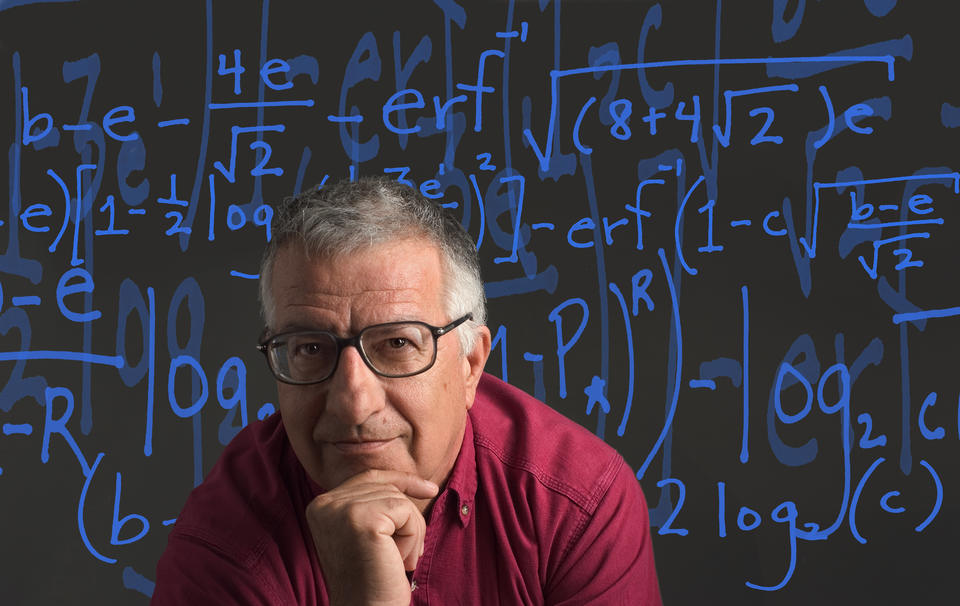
x=177, y=122
x=549, y=226
x=240, y=274
x=24, y=301
x=888, y=207
x=23, y=429
x=450, y=205
x=77, y=126
x=137, y=211
x=703, y=383
x=169, y=522
x=664, y=167
x=357, y=119
x=740, y=223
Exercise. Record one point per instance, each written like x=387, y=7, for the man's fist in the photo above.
x=367, y=532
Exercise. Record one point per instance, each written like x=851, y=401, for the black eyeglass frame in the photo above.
x=436, y=331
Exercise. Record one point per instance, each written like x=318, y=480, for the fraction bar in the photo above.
x=240, y=104
x=73, y=356
x=923, y=315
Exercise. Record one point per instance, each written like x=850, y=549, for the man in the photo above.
x=396, y=470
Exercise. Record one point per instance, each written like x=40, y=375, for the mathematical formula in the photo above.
x=699, y=250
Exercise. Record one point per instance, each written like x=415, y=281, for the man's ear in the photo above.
x=473, y=363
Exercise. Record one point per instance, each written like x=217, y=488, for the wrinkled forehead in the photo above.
x=411, y=258
x=399, y=264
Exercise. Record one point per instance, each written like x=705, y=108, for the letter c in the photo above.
x=766, y=224
x=886, y=506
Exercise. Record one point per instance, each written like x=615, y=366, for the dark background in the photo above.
x=79, y=60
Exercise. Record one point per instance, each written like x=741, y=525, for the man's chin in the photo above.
x=339, y=464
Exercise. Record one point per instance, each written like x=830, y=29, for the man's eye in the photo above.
x=398, y=343
x=308, y=349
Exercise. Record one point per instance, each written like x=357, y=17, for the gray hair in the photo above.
x=355, y=215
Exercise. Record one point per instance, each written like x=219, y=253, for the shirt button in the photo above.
x=465, y=510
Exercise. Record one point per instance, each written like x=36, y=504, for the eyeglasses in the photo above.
x=394, y=350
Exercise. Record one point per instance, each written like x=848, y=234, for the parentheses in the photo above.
x=674, y=397
x=483, y=219
x=939, y=502
x=80, y=505
x=676, y=226
x=630, y=356
x=66, y=212
x=576, y=128
x=852, y=515
x=831, y=118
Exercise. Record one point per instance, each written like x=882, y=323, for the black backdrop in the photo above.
x=736, y=264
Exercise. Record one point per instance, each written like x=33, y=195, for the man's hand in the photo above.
x=367, y=532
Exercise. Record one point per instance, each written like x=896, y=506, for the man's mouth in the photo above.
x=361, y=447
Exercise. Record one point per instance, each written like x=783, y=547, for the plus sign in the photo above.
x=651, y=118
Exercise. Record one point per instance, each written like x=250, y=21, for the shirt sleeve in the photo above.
x=611, y=562
x=194, y=571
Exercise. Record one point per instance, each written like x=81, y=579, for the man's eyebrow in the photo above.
x=287, y=328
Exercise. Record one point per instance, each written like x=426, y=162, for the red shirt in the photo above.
x=537, y=510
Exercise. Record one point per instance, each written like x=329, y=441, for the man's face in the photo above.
x=357, y=420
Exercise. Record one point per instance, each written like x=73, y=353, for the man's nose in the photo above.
x=354, y=392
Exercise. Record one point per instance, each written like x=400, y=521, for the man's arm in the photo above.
x=366, y=533
x=194, y=571
x=611, y=561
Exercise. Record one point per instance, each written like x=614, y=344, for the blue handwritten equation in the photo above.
x=722, y=236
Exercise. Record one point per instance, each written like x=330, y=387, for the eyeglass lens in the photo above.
x=392, y=350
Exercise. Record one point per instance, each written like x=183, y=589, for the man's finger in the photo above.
x=410, y=484
x=409, y=538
